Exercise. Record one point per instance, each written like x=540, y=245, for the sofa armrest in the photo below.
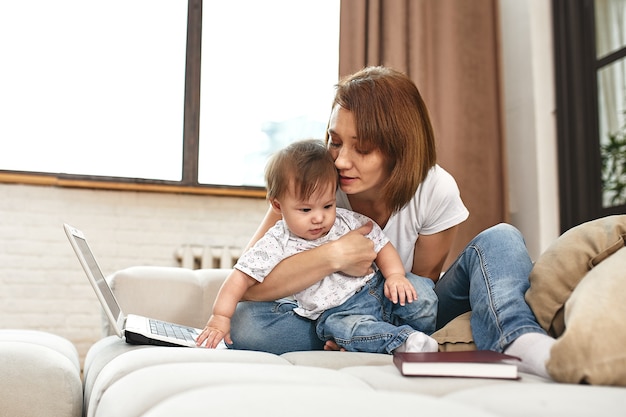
x=39, y=375
x=178, y=295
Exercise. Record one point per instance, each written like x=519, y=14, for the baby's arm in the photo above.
x=397, y=287
x=218, y=326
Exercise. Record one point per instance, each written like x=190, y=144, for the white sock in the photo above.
x=534, y=351
x=418, y=342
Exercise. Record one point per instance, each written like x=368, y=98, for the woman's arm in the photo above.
x=431, y=252
x=352, y=254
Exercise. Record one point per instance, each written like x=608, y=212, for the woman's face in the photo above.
x=359, y=171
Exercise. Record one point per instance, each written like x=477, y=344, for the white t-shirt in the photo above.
x=279, y=243
x=436, y=206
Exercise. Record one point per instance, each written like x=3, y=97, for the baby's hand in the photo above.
x=216, y=330
x=399, y=289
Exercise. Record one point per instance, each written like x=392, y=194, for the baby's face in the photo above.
x=311, y=218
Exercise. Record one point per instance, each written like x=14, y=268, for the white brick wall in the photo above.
x=42, y=285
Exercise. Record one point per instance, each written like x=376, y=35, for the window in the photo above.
x=93, y=88
x=268, y=72
x=590, y=53
x=122, y=90
x=610, y=23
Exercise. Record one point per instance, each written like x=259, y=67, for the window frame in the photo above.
x=577, y=118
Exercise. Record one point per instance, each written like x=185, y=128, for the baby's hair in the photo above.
x=305, y=164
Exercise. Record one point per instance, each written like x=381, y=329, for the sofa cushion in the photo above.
x=592, y=348
x=308, y=400
x=130, y=361
x=336, y=359
x=389, y=378
x=554, y=400
x=563, y=265
x=140, y=390
x=456, y=335
x=39, y=375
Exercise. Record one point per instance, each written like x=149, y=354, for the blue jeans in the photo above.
x=489, y=277
x=272, y=326
x=420, y=314
x=364, y=322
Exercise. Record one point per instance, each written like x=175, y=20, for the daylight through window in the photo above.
x=97, y=89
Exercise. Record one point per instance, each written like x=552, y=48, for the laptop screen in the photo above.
x=105, y=290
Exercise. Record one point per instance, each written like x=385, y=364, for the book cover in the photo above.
x=468, y=364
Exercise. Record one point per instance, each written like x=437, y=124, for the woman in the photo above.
x=380, y=136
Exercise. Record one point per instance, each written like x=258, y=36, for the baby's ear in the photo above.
x=276, y=206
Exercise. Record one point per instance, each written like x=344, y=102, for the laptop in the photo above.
x=137, y=330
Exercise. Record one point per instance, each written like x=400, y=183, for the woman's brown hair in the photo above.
x=391, y=116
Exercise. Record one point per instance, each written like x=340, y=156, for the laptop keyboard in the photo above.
x=163, y=328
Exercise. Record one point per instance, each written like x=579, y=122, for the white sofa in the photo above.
x=39, y=375
x=124, y=380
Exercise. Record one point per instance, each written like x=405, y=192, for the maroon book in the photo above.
x=467, y=364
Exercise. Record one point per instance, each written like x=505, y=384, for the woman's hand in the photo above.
x=353, y=253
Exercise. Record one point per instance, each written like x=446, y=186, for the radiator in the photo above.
x=198, y=256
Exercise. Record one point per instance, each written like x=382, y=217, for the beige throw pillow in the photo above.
x=564, y=264
x=456, y=335
x=593, y=347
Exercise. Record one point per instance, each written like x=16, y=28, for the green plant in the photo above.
x=613, y=154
